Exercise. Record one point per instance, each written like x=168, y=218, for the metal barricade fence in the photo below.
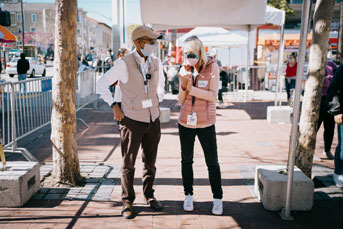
x=26, y=107
x=86, y=89
x=6, y=113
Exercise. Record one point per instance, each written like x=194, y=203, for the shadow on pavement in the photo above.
x=244, y=214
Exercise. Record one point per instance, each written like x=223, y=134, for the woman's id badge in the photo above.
x=146, y=103
x=192, y=119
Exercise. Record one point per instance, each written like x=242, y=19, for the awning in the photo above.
x=6, y=36
x=274, y=39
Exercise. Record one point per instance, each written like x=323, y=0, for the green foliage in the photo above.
x=282, y=5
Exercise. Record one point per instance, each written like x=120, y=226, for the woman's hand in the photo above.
x=184, y=81
x=188, y=68
x=189, y=85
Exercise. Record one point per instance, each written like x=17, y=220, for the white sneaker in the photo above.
x=188, y=203
x=338, y=180
x=217, y=207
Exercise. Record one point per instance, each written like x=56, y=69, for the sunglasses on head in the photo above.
x=191, y=55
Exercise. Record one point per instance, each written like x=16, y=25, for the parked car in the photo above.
x=36, y=67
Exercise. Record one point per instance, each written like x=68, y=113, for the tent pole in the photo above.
x=247, y=67
x=280, y=62
x=286, y=212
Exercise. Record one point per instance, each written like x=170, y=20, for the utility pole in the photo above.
x=22, y=24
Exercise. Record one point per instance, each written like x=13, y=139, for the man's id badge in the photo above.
x=192, y=119
x=146, y=103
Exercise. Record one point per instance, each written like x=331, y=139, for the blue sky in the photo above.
x=101, y=10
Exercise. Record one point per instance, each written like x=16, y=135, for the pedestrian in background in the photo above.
x=23, y=66
x=223, y=82
x=291, y=74
x=141, y=81
x=324, y=116
x=84, y=61
x=199, y=78
x=335, y=105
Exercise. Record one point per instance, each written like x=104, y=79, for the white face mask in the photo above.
x=148, y=49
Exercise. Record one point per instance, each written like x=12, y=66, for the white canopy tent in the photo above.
x=223, y=41
x=165, y=14
x=215, y=37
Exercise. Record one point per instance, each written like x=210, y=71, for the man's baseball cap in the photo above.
x=144, y=31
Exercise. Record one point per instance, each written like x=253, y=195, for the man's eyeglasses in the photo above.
x=191, y=55
x=151, y=41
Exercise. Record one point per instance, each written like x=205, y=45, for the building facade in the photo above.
x=39, y=26
x=100, y=37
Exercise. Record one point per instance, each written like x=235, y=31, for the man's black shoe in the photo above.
x=154, y=204
x=128, y=212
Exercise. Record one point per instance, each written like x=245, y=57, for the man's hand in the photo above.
x=118, y=113
x=339, y=119
x=159, y=112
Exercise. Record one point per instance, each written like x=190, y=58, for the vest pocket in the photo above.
x=137, y=103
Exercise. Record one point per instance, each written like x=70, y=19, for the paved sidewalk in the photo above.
x=245, y=139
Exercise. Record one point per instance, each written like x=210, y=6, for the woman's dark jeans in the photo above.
x=208, y=141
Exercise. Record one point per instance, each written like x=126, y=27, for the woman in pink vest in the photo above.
x=199, y=78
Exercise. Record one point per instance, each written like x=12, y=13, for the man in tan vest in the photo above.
x=141, y=80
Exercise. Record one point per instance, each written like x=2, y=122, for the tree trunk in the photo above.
x=63, y=119
x=339, y=56
x=313, y=89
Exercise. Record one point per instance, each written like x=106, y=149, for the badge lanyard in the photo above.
x=194, y=84
x=146, y=77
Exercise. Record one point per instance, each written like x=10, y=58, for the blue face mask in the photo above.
x=148, y=49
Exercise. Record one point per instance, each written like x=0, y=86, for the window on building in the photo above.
x=13, y=19
x=78, y=31
x=78, y=18
x=34, y=17
x=32, y=29
x=18, y=17
x=19, y=29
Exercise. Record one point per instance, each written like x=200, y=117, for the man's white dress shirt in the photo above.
x=120, y=73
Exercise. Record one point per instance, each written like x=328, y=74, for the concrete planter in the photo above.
x=18, y=183
x=277, y=114
x=271, y=188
